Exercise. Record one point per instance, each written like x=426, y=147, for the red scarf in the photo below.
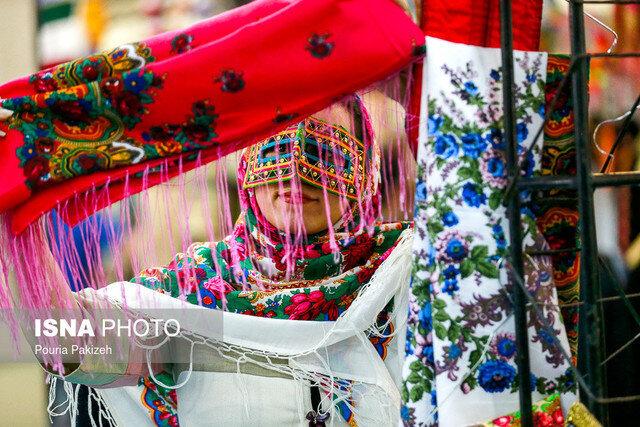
x=111, y=124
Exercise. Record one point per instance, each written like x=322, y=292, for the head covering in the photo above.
x=319, y=153
x=361, y=208
x=258, y=256
x=261, y=271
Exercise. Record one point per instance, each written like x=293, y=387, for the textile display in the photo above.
x=476, y=23
x=556, y=212
x=461, y=338
x=123, y=116
x=342, y=313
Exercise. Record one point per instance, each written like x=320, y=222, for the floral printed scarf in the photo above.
x=460, y=354
x=216, y=275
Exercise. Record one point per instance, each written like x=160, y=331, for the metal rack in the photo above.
x=590, y=372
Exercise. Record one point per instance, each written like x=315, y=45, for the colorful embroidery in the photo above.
x=347, y=414
x=194, y=276
x=72, y=132
x=546, y=413
x=197, y=132
x=382, y=339
x=161, y=402
x=181, y=43
x=319, y=154
x=77, y=131
x=556, y=209
x=93, y=68
x=128, y=95
x=319, y=46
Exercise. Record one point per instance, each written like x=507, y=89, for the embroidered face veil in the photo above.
x=321, y=176
x=322, y=154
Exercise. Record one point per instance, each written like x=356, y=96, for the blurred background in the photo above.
x=38, y=34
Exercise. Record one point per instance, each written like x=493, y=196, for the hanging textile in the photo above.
x=460, y=365
x=556, y=212
x=476, y=23
x=88, y=135
x=142, y=108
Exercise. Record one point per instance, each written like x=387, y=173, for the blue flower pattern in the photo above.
x=457, y=295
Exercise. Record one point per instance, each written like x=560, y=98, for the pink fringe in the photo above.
x=147, y=229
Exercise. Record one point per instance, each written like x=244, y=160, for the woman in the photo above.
x=310, y=284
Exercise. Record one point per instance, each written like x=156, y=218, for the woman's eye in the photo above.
x=312, y=150
x=275, y=150
x=268, y=152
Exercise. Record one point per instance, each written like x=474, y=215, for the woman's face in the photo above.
x=284, y=207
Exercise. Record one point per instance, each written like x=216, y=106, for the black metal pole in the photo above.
x=556, y=182
x=589, y=323
x=620, y=137
x=513, y=212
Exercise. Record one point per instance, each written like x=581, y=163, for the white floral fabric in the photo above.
x=460, y=351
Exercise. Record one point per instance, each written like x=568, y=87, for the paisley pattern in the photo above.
x=557, y=216
x=81, y=130
x=93, y=68
x=74, y=125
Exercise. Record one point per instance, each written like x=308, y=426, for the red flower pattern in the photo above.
x=36, y=167
x=309, y=306
x=189, y=278
x=359, y=251
x=44, y=84
x=218, y=287
x=71, y=110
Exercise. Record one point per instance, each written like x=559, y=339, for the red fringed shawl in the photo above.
x=144, y=112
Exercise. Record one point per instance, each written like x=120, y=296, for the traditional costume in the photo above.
x=321, y=313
